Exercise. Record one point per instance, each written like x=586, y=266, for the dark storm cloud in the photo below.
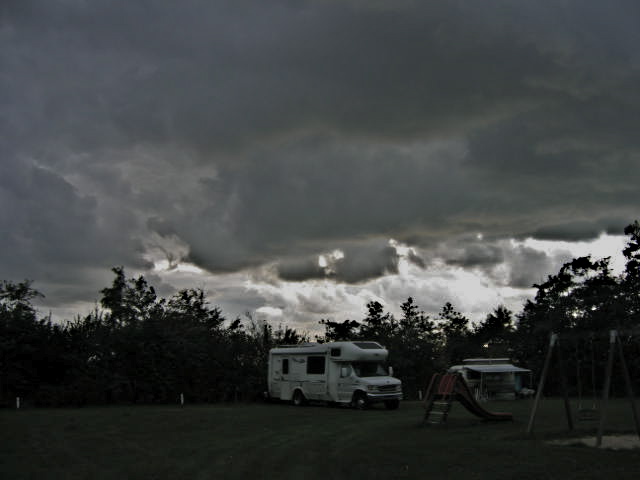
x=476, y=254
x=580, y=230
x=354, y=263
x=53, y=234
x=507, y=263
x=416, y=259
x=529, y=266
x=301, y=269
x=311, y=193
x=225, y=77
x=253, y=133
x=365, y=262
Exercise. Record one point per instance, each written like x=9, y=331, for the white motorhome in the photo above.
x=337, y=372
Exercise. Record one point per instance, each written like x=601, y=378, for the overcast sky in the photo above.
x=297, y=159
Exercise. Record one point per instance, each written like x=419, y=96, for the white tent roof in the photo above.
x=506, y=368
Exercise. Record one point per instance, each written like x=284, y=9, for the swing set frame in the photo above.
x=587, y=413
x=615, y=345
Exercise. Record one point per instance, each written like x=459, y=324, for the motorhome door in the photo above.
x=279, y=369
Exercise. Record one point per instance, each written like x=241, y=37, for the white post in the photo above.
x=182, y=399
x=419, y=394
x=17, y=403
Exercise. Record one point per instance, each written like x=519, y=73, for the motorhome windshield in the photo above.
x=369, y=369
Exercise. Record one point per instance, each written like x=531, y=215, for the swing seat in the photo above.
x=588, y=414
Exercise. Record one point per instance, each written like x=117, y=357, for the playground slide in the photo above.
x=466, y=398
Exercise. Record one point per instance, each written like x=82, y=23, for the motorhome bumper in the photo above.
x=380, y=397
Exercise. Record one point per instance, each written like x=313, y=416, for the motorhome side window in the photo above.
x=285, y=366
x=315, y=365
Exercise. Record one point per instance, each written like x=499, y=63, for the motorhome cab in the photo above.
x=338, y=372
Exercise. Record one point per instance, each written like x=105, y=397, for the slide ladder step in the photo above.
x=438, y=412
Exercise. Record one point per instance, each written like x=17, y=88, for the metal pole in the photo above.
x=607, y=386
x=543, y=378
x=627, y=380
x=565, y=390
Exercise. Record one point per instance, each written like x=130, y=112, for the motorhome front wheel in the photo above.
x=360, y=401
x=298, y=399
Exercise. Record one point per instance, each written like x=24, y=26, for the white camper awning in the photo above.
x=496, y=368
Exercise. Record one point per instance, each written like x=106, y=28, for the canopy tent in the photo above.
x=494, y=377
x=496, y=368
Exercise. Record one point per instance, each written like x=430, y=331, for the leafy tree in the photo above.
x=629, y=313
x=26, y=349
x=338, y=331
x=452, y=322
x=16, y=297
x=415, y=323
x=378, y=324
x=92, y=376
x=492, y=337
x=455, y=330
x=415, y=348
x=582, y=298
x=129, y=300
x=496, y=325
x=632, y=250
x=191, y=306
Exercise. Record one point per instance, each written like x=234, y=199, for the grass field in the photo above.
x=284, y=442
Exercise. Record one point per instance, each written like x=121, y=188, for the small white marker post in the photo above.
x=419, y=394
x=17, y=403
x=182, y=399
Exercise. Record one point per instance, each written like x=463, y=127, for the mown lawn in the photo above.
x=315, y=442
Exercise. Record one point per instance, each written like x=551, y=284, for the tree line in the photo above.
x=141, y=348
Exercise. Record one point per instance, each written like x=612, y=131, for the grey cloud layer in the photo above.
x=252, y=133
x=356, y=263
x=506, y=263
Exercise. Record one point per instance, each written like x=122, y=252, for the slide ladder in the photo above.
x=439, y=398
